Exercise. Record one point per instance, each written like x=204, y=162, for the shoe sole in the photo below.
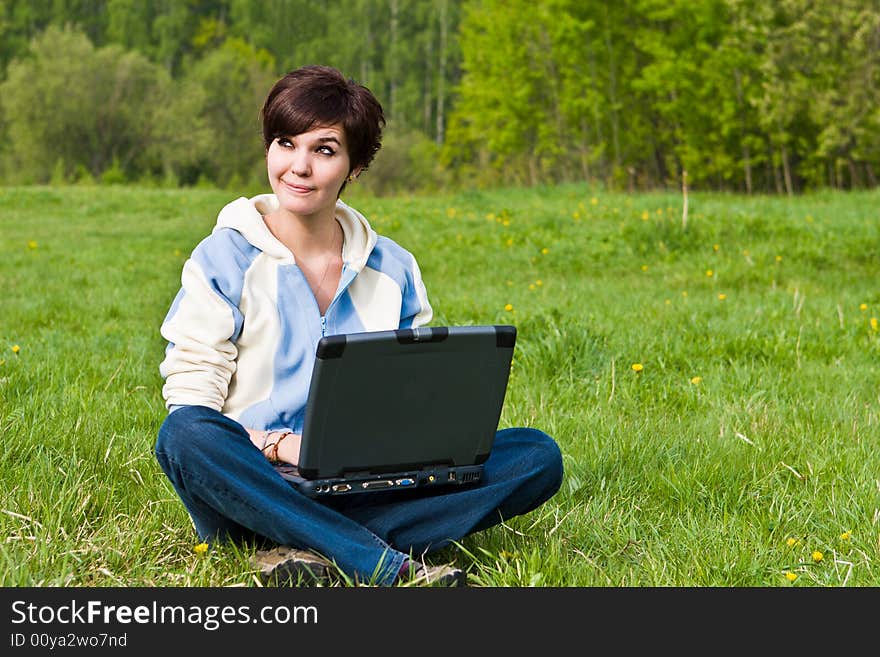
x=277, y=570
x=295, y=573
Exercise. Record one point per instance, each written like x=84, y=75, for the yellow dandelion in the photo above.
x=531, y=286
x=790, y=576
x=637, y=367
x=845, y=536
x=508, y=307
x=201, y=548
x=539, y=282
x=15, y=348
x=667, y=301
x=451, y=212
x=873, y=323
x=697, y=380
x=715, y=247
x=510, y=242
x=709, y=272
x=510, y=282
x=779, y=258
x=545, y=250
x=32, y=244
x=644, y=267
x=490, y=217
x=645, y=215
x=575, y=215
x=506, y=222
x=792, y=541
x=817, y=556
x=659, y=211
x=684, y=293
x=594, y=201
x=722, y=297
x=863, y=307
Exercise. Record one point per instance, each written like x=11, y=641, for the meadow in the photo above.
x=714, y=384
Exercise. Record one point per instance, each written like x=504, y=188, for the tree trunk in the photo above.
x=440, y=114
x=585, y=149
x=869, y=174
x=597, y=120
x=776, y=177
x=747, y=165
x=854, y=182
x=429, y=70
x=368, y=48
x=786, y=171
x=392, y=72
x=612, y=97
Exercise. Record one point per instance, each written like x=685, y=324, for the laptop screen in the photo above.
x=386, y=401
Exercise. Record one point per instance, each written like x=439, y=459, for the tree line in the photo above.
x=736, y=95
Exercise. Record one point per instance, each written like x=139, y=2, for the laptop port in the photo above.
x=406, y=481
x=378, y=483
x=341, y=488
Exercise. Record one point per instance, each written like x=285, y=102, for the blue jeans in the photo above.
x=232, y=492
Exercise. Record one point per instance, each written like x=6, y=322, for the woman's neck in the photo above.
x=305, y=236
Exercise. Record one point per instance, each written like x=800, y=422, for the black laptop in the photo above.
x=402, y=409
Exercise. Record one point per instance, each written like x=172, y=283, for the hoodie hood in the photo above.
x=245, y=215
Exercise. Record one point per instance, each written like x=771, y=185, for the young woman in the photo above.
x=277, y=273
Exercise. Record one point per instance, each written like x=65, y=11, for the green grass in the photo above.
x=668, y=482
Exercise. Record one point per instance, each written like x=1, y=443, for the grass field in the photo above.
x=743, y=452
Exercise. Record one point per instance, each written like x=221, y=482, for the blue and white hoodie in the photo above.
x=243, y=329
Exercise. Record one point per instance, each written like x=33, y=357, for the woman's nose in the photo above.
x=300, y=164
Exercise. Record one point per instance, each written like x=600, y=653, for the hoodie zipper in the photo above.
x=332, y=302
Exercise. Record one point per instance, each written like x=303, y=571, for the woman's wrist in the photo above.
x=266, y=436
x=281, y=446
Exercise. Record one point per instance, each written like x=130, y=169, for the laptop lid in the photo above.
x=398, y=400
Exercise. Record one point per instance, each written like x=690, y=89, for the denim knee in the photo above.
x=550, y=456
x=187, y=430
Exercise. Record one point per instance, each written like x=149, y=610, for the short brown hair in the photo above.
x=314, y=96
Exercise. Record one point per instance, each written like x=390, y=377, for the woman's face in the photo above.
x=306, y=171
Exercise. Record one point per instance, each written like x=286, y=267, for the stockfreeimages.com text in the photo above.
x=211, y=617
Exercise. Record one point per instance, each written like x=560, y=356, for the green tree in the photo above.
x=502, y=101
x=210, y=126
x=85, y=107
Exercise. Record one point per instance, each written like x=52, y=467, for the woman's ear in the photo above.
x=354, y=173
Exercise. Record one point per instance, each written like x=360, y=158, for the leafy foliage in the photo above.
x=729, y=94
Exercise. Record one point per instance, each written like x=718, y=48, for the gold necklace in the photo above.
x=320, y=284
x=324, y=275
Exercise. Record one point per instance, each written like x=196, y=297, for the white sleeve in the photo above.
x=200, y=357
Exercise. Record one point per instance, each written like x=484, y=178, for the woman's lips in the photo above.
x=298, y=189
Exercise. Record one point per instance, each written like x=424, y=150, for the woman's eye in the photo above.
x=283, y=141
x=326, y=150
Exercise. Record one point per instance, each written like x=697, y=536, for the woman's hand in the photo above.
x=281, y=445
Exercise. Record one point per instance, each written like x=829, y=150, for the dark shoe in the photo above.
x=284, y=566
x=440, y=575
